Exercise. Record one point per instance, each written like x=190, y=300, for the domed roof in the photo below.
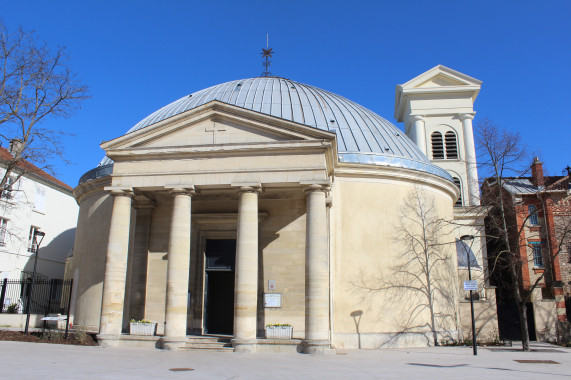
x=362, y=135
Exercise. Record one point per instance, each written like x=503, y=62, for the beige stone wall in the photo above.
x=88, y=262
x=365, y=219
x=485, y=316
x=545, y=315
x=282, y=243
x=157, y=261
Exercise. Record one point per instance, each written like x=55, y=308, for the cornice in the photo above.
x=90, y=187
x=350, y=170
x=218, y=150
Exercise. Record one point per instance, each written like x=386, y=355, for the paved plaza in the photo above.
x=50, y=361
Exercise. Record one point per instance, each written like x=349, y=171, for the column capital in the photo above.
x=417, y=117
x=465, y=116
x=120, y=191
x=186, y=190
x=250, y=189
x=317, y=187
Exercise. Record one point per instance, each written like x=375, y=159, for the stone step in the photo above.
x=217, y=349
x=206, y=346
x=210, y=343
x=204, y=339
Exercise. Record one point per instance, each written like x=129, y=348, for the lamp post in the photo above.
x=37, y=234
x=464, y=239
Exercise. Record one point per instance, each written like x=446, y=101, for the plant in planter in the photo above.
x=142, y=327
x=279, y=331
x=12, y=308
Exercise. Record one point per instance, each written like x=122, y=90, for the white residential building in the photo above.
x=37, y=201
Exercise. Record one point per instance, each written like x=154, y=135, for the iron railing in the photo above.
x=49, y=296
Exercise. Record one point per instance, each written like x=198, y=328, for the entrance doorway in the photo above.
x=220, y=258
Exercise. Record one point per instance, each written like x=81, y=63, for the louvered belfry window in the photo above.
x=451, y=145
x=437, y=146
x=446, y=148
x=457, y=182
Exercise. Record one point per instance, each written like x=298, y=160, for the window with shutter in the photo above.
x=457, y=182
x=437, y=146
x=451, y=145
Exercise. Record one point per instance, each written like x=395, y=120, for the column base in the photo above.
x=316, y=347
x=108, y=340
x=244, y=345
x=171, y=343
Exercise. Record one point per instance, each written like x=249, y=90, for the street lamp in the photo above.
x=37, y=234
x=464, y=239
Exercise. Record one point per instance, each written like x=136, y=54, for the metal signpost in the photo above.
x=470, y=285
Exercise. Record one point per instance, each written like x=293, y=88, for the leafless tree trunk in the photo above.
x=36, y=83
x=501, y=154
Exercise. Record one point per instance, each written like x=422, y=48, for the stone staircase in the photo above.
x=208, y=342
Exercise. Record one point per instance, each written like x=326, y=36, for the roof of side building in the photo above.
x=33, y=170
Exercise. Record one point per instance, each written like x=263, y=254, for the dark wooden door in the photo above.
x=219, y=286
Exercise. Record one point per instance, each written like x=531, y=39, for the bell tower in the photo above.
x=437, y=108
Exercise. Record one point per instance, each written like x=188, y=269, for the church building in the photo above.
x=267, y=201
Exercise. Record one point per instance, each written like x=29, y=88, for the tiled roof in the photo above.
x=33, y=169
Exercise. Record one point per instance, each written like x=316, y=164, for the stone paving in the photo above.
x=50, y=361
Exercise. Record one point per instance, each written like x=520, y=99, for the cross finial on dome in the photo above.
x=266, y=55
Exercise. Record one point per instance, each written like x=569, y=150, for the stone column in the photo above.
x=419, y=132
x=246, y=285
x=112, y=305
x=470, y=159
x=178, y=268
x=316, y=272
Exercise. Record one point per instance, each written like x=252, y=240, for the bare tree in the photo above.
x=501, y=154
x=36, y=83
x=502, y=157
x=424, y=279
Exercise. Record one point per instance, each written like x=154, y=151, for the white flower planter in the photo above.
x=279, y=332
x=137, y=328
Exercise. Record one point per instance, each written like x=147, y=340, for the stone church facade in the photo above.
x=263, y=201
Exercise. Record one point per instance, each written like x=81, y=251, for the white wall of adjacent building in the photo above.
x=36, y=202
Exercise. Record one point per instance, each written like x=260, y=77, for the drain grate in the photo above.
x=181, y=369
x=537, y=361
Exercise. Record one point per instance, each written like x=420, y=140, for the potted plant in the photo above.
x=12, y=308
x=279, y=331
x=142, y=327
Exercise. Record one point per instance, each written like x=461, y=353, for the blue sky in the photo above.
x=137, y=56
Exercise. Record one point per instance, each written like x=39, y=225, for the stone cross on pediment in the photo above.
x=215, y=129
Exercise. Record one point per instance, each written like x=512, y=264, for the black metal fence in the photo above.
x=48, y=296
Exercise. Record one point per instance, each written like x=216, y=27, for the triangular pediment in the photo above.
x=217, y=131
x=442, y=81
x=215, y=126
x=440, y=76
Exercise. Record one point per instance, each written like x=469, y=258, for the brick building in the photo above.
x=539, y=223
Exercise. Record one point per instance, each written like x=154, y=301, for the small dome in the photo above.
x=362, y=135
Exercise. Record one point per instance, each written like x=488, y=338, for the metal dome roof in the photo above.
x=362, y=135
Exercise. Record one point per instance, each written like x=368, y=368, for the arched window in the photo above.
x=437, y=146
x=532, y=214
x=457, y=182
x=451, y=145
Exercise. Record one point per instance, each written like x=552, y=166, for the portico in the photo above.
x=227, y=201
